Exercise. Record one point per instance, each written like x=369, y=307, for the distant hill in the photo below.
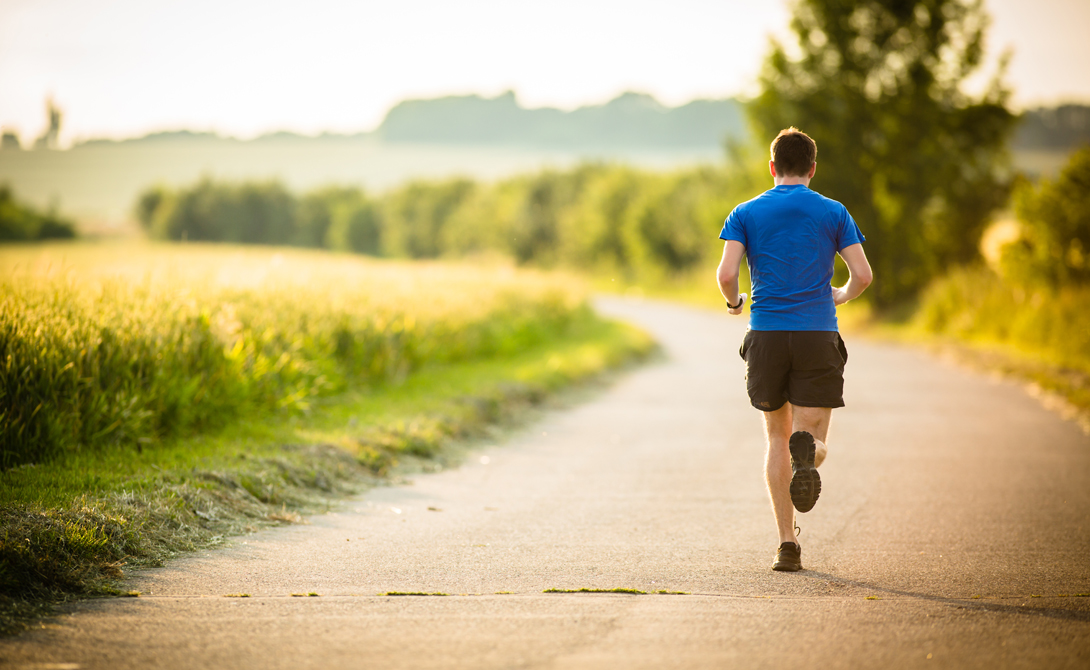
x=629, y=122
x=1063, y=127
x=632, y=120
x=163, y=136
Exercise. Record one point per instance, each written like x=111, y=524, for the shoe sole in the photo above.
x=805, y=481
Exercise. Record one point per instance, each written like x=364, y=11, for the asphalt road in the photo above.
x=951, y=532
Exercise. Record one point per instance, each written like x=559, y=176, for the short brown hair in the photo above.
x=793, y=153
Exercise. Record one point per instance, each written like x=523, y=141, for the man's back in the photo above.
x=791, y=235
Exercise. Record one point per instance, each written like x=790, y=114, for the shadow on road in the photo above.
x=963, y=603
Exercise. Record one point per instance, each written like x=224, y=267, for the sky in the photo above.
x=122, y=68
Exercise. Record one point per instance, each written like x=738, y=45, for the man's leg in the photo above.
x=813, y=420
x=778, y=428
x=806, y=447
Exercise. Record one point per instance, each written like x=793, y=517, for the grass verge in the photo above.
x=1038, y=336
x=1064, y=389
x=69, y=527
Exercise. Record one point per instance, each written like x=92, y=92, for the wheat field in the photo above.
x=125, y=343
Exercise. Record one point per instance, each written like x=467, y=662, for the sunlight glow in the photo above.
x=124, y=67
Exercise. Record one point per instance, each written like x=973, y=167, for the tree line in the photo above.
x=595, y=216
x=20, y=222
x=922, y=166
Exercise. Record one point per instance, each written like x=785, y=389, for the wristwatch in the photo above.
x=741, y=301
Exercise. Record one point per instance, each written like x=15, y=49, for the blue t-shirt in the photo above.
x=791, y=235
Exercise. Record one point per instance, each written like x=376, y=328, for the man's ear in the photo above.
x=772, y=168
x=813, y=169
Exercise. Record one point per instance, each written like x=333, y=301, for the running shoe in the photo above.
x=788, y=558
x=805, y=482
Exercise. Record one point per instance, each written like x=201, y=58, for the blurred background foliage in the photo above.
x=1035, y=293
x=603, y=218
x=19, y=222
x=1053, y=245
x=119, y=345
x=918, y=162
x=923, y=165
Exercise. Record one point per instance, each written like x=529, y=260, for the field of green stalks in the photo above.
x=122, y=345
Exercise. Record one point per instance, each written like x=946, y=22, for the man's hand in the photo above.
x=859, y=274
x=741, y=304
x=839, y=297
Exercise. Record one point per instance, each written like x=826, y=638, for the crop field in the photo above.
x=155, y=399
x=104, y=345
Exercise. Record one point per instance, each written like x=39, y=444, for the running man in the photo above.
x=794, y=355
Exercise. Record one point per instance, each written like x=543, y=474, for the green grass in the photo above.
x=104, y=347
x=633, y=592
x=1037, y=335
x=155, y=399
x=976, y=305
x=69, y=526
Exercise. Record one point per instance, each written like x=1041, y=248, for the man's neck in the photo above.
x=792, y=181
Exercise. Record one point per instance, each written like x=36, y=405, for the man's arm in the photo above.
x=728, y=275
x=860, y=275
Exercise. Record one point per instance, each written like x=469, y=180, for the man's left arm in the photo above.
x=729, y=267
x=859, y=274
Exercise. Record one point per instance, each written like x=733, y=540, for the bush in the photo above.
x=21, y=223
x=615, y=219
x=250, y=213
x=416, y=214
x=1054, y=246
x=976, y=304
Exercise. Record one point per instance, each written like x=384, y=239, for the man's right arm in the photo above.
x=860, y=275
x=727, y=275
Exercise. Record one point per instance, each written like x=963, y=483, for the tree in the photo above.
x=19, y=222
x=916, y=160
x=1054, y=244
x=417, y=213
x=50, y=139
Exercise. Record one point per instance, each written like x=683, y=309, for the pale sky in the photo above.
x=243, y=67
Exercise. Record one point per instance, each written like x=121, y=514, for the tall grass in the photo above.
x=976, y=304
x=121, y=346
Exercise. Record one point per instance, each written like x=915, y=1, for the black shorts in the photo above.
x=802, y=367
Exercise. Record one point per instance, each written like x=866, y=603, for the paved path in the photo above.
x=951, y=532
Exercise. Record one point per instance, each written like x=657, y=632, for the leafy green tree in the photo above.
x=19, y=222
x=417, y=213
x=677, y=215
x=593, y=232
x=879, y=85
x=249, y=213
x=314, y=216
x=547, y=198
x=338, y=217
x=355, y=222
x=482, y=222
x=1054, y=244
x=149, y=204
x=266, y=214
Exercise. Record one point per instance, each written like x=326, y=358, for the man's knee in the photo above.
x=811, y=416
x=814, y=420
x=778, y=422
